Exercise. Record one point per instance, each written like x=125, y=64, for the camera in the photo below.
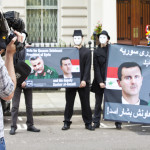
x=9, y=22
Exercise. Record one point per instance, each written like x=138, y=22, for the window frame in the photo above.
x=42, y=7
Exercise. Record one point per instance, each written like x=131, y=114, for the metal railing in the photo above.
x=89, y=45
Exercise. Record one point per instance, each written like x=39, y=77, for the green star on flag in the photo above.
x=110, y=83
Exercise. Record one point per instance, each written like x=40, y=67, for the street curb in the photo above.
x=46, y=113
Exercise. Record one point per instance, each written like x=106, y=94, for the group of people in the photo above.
x=98, y=85
x=10, y=90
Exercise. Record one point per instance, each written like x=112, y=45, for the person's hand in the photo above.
x=82, y=84
x=23, y=85
x=28, y=45
x=11, y=47
x=78, y=46
x=1, y=51
x=102, y=85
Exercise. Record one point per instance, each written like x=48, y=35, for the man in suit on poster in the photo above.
x=66, y=67
x=130, y=80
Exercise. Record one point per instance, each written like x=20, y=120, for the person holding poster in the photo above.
x=130, y=80
x=83, y=90
x=41, y=71
x=98, y=85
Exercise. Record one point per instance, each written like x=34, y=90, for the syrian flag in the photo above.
x=75, y=65
x=111, y=79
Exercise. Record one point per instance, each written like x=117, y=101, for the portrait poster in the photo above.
x=114, y=108
x=53, y=75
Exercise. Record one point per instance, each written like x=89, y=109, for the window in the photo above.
x=42, y=21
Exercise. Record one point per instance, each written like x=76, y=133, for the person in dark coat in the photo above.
x=20, y=56
x=83, y=90
x=98, y=84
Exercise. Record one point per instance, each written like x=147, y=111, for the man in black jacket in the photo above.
x=20, y=56
x=83, y=90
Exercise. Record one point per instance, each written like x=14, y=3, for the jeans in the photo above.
x=2, y=144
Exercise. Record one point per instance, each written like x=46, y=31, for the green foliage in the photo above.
x=98, y=28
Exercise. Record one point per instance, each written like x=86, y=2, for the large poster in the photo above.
x=53, y=67
x=127, y=93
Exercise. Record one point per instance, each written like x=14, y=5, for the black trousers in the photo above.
x=15, y=106
x=98, y=109
x=84, y=94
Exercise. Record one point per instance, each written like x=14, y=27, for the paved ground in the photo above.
x=51, y=102
x=51, y=137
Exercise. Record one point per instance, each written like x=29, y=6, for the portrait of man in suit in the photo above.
x=130, y=80
x=66, y=67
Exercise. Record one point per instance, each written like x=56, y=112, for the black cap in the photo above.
x=77, y=33
x=105, y=33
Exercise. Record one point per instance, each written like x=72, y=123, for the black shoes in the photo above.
x=66, y=127
x=33, y=129
x=12, y=131
x=118, y=125
x=89, y=127
x=96, y=125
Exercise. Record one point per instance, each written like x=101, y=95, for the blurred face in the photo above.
x=38, y=65
x=131, y=81
x=77, y=40
x=103, y=39
x=66, y=66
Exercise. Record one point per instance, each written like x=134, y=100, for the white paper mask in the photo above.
x=77, y=40
x=103, y=39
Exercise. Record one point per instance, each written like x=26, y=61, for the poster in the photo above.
x=53, y=67
x=128, y=101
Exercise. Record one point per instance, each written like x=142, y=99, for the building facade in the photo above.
x=53, y=21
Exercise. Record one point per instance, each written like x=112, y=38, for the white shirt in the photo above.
x=67, y=77
x=125, y=102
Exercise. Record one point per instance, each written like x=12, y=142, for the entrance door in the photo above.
x=145, y=17
x=131, y=23
x=124, y=20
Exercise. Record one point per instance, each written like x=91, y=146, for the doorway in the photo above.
x=126, y=17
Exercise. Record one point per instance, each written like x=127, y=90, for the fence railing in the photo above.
x=91, y=44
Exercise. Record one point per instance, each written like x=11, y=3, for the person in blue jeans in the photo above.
x=7, y=78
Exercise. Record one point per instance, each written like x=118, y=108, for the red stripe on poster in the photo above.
x=112, y=72
x=75, y=61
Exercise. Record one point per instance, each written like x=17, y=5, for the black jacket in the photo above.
x=99, y=62
x=85, y=64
